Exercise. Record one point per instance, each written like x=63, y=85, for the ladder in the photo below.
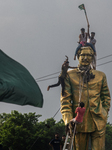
x=68, y=145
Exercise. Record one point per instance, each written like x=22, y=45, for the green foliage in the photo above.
x=108, y=139
x=23, y=131
x=46, y=134
x=17, y=130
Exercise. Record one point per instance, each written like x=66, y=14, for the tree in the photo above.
x=108, y=139
x=46, y=133
x=23, y=131
x=17, y=130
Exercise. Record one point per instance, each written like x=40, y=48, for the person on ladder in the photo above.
x=79, y=118
x=80, y=113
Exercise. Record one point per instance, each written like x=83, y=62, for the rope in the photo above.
x=81, y=88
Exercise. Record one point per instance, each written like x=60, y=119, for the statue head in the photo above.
x=85, y=56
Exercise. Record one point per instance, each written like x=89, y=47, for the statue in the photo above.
x=89, y=86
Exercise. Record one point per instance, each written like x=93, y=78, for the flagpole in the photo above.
x=82, y=7
x=86, y=17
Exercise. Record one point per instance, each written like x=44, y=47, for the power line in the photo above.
x=37, y=80
x=104, y=63
x=47, y=79
x=47, y=75
x=104, y=57
x=56, y=113
x=57, y=76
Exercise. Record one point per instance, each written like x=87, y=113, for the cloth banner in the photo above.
x=82, y=7
x=17, y=86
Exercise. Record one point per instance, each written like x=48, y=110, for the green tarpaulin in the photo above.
x=17, y=86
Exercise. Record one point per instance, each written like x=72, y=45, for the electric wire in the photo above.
x=105, y=63
x=56, y=113
x=47, y=75
x=104, y=57
x=47, y=79
x=37, y=79
x=57, y=76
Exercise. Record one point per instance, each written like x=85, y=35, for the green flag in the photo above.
x=82, y=7
x=17, y=86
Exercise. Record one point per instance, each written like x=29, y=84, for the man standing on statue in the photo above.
x=90, y=87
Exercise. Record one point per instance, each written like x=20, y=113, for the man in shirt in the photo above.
x=83, y=36
x=62, y=76
x=92, y=40
x=80, y=113
x=55, y=143
x=78, y=119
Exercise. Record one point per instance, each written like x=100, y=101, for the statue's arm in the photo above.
x=105, y=95
x=66, y=105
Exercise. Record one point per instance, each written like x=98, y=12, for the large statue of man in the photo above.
x=89, y=86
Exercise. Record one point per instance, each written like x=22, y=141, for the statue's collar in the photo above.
x=85, y=71
x=83, y=68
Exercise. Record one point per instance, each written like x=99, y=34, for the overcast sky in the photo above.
x=39, y=33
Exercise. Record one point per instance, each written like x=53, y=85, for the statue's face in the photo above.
x=85, y=57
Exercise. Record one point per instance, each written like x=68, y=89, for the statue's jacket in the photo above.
x=95, y=95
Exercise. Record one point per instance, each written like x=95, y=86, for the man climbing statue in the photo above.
x=90, y=86
x=62, y=76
